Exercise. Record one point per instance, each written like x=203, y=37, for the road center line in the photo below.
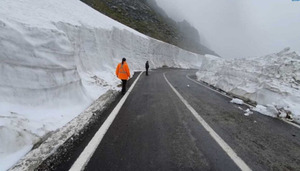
x=237, y=160
x=89, y=150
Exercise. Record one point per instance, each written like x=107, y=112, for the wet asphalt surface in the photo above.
x=155, y=131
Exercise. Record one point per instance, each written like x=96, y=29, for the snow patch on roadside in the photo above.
x=248, y=112
x=268, y=110
x=237, y=101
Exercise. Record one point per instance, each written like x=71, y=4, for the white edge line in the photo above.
x=237, y=160
x=89, y=150
x=284, y=120
x=291, y=123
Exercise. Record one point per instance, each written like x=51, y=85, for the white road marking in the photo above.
x=237, y=160
x=89, y=150
x=291, y=123
x=251, y=106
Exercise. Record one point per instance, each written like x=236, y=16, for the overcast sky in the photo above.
x=241, y=28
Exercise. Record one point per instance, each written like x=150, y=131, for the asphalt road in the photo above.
x=154, y=130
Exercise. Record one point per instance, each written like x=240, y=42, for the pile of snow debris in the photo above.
x=273, y=81
x=57, y=57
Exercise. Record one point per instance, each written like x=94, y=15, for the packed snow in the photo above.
x=57, y=57
x=273, y=81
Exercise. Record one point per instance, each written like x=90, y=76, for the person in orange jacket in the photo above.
x=123, y=73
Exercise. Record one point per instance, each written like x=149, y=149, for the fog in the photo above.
x=235, y=28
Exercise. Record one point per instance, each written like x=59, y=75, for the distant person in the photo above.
x=147, y=67
x=123, y=72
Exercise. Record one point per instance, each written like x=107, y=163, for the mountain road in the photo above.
x=169, y=121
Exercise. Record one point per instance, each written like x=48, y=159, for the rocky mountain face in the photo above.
x=146, y=17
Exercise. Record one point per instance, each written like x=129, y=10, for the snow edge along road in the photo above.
x=249, y=105
x=229, y=151
x=89, y=150
x=34, y=158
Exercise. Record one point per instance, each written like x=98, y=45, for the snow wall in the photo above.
x=41, y=66
x=272, y=81
x=56, y=58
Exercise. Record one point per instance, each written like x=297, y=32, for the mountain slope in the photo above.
x=146, y=17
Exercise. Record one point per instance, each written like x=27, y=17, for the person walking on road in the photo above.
x=123, y=73
x=147, y=67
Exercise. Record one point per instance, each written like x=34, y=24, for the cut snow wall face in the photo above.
x=37, y=66
x=72, y=62
x=269, y=80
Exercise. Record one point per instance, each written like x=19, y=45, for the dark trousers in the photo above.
x=146, y=71
x=124, y=86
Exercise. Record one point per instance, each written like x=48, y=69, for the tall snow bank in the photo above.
x=56, y=58
x=272, y=80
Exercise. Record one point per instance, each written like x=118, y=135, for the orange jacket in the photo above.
x=122, y=71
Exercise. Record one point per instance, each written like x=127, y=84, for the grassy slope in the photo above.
x=153, y=26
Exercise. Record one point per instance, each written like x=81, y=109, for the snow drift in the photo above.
x=272, y=81
x=56, y=58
